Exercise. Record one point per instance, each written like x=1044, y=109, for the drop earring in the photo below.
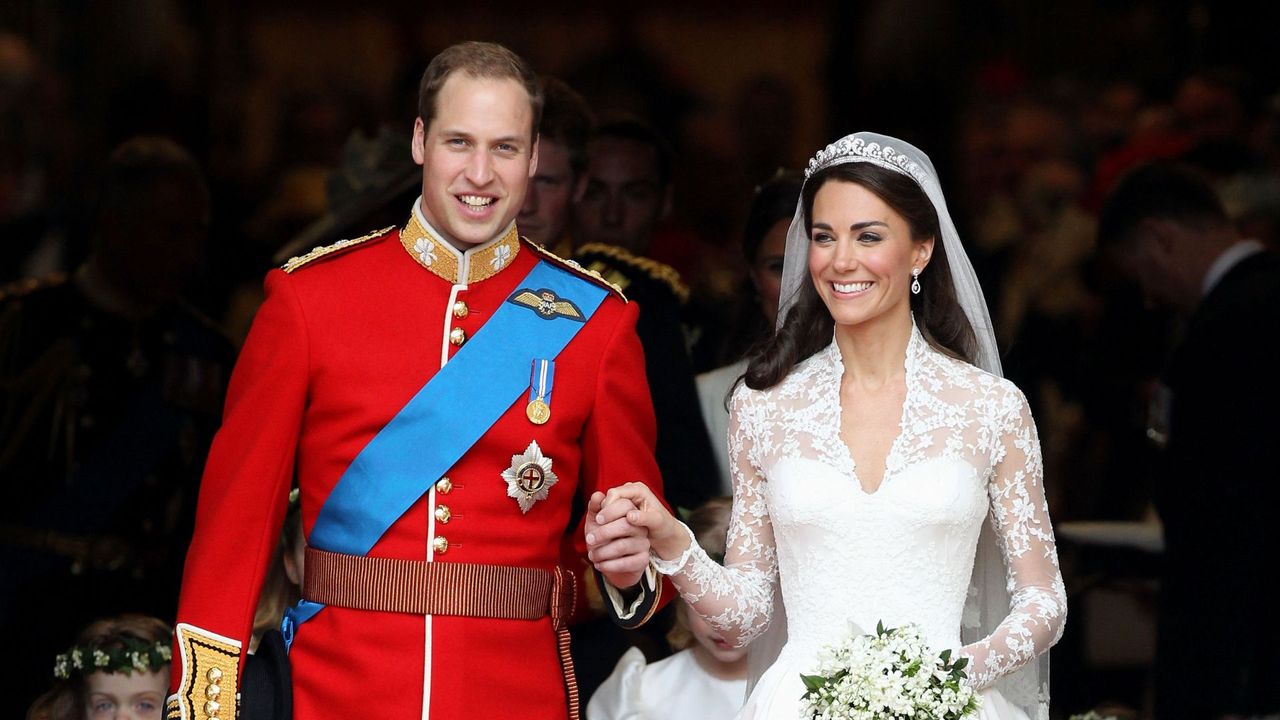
x=915, y=281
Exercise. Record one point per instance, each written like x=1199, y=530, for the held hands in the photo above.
x=623, y=525
x=619, y=550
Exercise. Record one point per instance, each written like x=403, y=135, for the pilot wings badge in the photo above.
x=529, y=477
x=547, y=304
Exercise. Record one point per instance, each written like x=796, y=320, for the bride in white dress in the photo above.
x=883, y=470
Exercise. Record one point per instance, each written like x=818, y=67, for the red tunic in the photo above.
x=338, y=348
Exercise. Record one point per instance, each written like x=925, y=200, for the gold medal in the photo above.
x=538, y=412
x=540, y=380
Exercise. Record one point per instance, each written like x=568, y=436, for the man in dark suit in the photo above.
x=111, y=388
x=628, y=193
x=562, y=163
x=1216, y=493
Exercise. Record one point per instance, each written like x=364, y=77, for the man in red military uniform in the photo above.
x=366, y=368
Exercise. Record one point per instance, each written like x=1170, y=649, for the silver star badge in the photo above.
x=529, y=477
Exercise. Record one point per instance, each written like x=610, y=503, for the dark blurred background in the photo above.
x=1030, y=110
x=266, y=95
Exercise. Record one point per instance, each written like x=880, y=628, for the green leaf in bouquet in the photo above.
x=813, y=683
x=945, y=655
x=961, y=663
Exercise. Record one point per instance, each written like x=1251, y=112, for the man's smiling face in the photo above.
x=477, y=157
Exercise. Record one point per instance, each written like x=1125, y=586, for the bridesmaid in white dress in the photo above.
x=705, y=679
x=883, y=470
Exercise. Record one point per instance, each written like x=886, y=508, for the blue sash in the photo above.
x=448, y=415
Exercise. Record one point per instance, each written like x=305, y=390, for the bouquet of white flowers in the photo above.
x=890, y=675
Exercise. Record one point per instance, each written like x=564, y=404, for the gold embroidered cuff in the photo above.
x=210, y=673
x=636, y=613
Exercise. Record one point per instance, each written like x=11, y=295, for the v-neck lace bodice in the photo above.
x=966, y=451
x=856, y=470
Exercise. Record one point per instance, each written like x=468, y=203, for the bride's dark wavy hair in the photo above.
x=809, y=326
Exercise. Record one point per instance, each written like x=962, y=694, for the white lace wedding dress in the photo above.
x=967, y=452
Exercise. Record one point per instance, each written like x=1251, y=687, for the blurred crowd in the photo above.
x=132, y=250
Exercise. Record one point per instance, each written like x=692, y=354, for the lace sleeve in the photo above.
x=1020, y=518
x=736, y=598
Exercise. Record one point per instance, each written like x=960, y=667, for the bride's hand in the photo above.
x=666, y=537
x=617, y=548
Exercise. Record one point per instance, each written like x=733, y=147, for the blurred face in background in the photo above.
x=766, y=271
x=1156, y=259
x=152, y=246
x=624, y=198
x=549, y=199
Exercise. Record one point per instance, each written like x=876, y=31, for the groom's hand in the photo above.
x=617, y=548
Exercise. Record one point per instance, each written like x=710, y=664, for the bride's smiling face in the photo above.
x=861, y=254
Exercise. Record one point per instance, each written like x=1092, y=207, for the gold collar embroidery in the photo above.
x=442, y=259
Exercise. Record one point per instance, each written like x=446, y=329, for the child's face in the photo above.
x=711, y=639
x=136, y=696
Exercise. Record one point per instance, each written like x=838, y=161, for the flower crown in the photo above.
x=126, y=655
x=855, y=149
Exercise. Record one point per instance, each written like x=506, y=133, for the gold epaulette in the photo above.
x=26, y=286
x=658, y=271
x=325, y=250
x=574, y=267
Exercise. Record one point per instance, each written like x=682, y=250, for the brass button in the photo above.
x=213, y=691
x=443, y=514
x=214, y=675
x=211, y=708
x=457, y=336
x=440, y=544
x=460, y=309
x=445, y=486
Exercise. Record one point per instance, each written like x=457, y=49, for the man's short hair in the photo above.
x=479, y=60
x=566, y=119
x=627, y=127
x=138, y=165
x=1158, y=190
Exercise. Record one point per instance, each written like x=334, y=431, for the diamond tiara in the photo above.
x=855, y=149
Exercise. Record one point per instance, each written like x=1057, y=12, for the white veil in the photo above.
x=988, y=601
